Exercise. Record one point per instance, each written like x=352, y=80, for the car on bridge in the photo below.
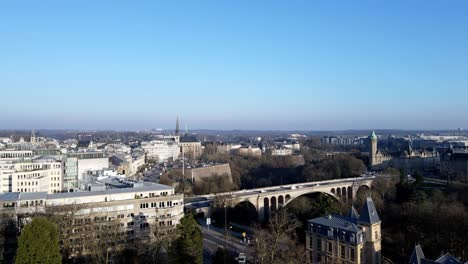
x=242, y=258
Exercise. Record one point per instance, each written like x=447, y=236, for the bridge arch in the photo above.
x=280, y=201
x=244, y=212
x=266, y=208
x=273, y=204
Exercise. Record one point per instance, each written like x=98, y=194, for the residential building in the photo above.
x=355, y=238
x=161, y=150
x=127, y=214
x=281, y=151
x=16, y=155
x=249, y=151
x=40, y=175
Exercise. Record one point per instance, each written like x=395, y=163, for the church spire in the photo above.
x=177, y=126
x=33, y=137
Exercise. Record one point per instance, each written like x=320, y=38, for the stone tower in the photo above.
x=369, y=218
x=373, y=148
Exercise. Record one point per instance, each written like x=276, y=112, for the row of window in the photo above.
x=162, y=204
x=342, y=249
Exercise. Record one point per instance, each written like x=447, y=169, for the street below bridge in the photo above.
x=212, y=240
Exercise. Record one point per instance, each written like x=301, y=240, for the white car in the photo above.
x=242, y=258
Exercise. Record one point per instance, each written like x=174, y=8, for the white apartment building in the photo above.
x=6, y=170
x=281, y=151
x=37, y=177
x=134, y=211
x=16, y=155
x=161, y=150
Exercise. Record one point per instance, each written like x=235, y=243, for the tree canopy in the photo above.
x=38, y=243
x=188, y=246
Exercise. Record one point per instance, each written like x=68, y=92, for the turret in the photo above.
x=373, y=148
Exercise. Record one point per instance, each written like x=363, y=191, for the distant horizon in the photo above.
x=233, y=130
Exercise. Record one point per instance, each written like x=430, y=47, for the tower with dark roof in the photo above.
x=370, y=220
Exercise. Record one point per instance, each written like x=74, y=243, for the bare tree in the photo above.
x=275, y=244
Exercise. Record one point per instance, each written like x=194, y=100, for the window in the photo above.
x=376, y=235
x=351, y=254
x=319, y=244
x=330, y=247
x=342, y=251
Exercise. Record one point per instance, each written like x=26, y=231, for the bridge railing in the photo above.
x=290, y=186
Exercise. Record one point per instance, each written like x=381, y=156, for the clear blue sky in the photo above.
x=310, y=65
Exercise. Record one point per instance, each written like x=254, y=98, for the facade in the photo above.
x=408, y=160
x=126, y=214
x=89, y=161
x=16, y=155
x=281, y=151
x=355, y=238
x=70, y=173
x=334, y=140
x=190, y=146
x=42, y=176
x=6, y=171
x=249, y=151
x=161, y=150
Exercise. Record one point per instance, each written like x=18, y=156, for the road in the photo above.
x=212, y=240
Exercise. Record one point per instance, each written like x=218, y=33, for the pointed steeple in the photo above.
x=33, y=137
x=186, y=129
x=368, y=214
x=353, y=214
x=417, y=255
x=410, y=148
x=373, y=136
x=177, y=126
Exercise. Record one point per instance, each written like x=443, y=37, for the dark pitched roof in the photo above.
x=353, y=214
x=189, y=138
x=368, y=213
x=83, y=143
x=448, y=259
x=417, y=255
x=337, y=222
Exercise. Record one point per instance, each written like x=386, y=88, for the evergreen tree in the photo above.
x=38, y=243
x=188, y=246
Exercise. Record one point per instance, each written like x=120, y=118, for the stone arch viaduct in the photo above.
x=270, y=199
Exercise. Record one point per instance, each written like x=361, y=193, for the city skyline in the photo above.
x=249, y=66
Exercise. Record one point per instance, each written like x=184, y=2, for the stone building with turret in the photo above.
x=408, y=160
x=355, y=238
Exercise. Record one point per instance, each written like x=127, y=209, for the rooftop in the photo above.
x=337, y=222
